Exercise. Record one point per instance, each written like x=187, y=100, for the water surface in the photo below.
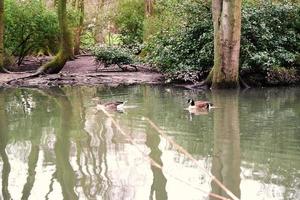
x=55, y=144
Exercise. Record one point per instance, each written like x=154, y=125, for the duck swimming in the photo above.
x=116, y=105
x=111, y=106
x=199, y=105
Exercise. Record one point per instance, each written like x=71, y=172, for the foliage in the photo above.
x=270, y=37
x=189, y=47
x=129, y=21
x=87, y=40
x=110, y=55
x=165, y=17
x=30, y=28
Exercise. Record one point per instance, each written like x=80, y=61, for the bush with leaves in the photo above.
x=30, y=28
x=112, y=55
x=270, y=37
x=185, y=48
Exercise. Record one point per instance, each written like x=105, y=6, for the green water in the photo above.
x=55, y=144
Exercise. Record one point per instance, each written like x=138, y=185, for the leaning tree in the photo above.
x=66, y=46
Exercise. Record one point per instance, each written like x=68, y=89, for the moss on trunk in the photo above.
x=66, y=47
x=227, y=32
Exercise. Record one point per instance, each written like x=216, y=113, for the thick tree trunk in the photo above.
x=2, y=69
x=227, y=32
x=66, y=50
x=79, y=29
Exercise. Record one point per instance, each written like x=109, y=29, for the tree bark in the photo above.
x=79, y=29
x=2, y=69
x=98, y=34
x=227, y=33
x=149, y=7
x=66, y=50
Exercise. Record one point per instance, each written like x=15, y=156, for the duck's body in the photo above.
x=111, y=106
x=116, y=105
x=199, y=105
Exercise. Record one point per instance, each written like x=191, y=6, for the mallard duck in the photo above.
x=199, y=105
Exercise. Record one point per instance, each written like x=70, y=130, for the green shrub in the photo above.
x=185, y=48
x=30, y=28
x=270, y=37
x=110, y=55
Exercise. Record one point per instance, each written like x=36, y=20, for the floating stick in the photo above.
x=153, y=162
x=182, y=150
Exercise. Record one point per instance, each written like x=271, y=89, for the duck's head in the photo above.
x=191, y=102
x=209, y=105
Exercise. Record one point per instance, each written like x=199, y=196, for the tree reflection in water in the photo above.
x=64, y=171
x=158, y=187
x=226, y=160
x=3, y=143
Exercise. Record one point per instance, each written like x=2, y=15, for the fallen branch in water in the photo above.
x=185, y=152
x=153, y=162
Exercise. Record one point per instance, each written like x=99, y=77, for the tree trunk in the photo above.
x=227, y=32
x=66, y=51
x=78, y=30
x=149, y=7
x=98, y=34
x=2, y=69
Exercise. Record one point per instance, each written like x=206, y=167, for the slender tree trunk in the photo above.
x=66, y=50
x=79, y=29
x=149, y=7
x=227, y=32
x=2, y=70
x=98, y=34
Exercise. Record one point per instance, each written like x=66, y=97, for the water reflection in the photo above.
x=226, y=160
x=64, y=171
x=3, y=143
x=158, y=187
x=55, y=145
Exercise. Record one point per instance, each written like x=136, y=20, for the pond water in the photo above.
x=55, y=144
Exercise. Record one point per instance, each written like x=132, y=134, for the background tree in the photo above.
x=66, y=47
x=149, y=7
x=227, y=33
x=78, y=31
x=1, y=36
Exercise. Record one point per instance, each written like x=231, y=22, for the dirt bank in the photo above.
x=84, y=71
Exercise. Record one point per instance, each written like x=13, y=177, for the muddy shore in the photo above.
x=84, y=71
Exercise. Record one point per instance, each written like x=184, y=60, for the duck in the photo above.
x=111, y=106
x=115, y=105
x=199, y=105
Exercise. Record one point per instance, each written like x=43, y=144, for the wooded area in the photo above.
x=218, y=43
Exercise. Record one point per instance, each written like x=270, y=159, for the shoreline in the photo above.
x=83, y=71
